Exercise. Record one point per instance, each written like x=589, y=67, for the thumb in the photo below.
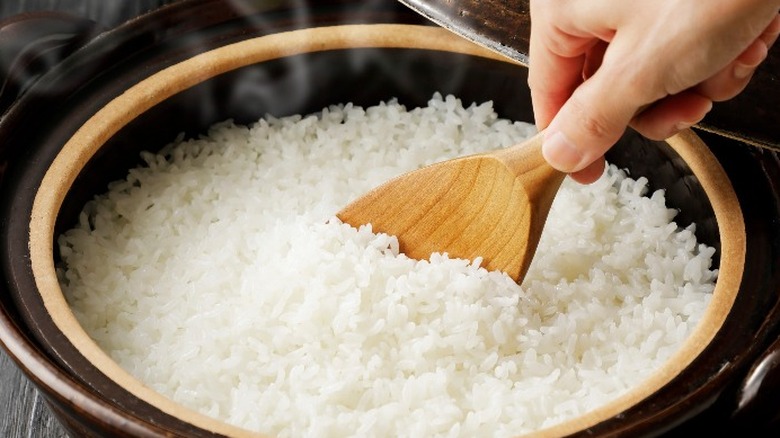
x=590, y=122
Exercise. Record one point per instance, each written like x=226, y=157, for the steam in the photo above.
x=109, y=13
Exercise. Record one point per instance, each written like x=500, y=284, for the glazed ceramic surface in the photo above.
x=720, y=384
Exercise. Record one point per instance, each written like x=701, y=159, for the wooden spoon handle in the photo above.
x=526, y=161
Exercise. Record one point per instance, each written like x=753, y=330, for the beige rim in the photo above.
x=158, y=87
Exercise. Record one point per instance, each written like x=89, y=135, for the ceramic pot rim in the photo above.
x=142, y=96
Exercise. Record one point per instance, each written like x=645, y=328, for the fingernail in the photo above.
x=687, y=124
x=561, y=153
x=682, y=126
x=742, y=71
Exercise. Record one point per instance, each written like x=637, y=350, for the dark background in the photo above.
x=107, y=12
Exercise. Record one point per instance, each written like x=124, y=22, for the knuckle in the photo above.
x=593, y=123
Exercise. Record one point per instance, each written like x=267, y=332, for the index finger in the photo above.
x=556, y=62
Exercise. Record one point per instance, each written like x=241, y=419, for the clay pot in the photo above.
x=81, y=109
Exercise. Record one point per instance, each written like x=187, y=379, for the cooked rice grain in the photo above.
x=218, y=275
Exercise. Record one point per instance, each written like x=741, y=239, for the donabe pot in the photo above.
x=81, y=123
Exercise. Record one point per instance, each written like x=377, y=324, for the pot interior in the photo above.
x=363, y=65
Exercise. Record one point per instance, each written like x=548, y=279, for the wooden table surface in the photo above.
x=22, y=411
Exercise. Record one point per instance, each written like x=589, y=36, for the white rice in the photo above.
x=219, y=276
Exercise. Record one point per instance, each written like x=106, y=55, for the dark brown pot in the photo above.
x=728, y=382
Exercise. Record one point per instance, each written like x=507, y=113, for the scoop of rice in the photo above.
x=218, y=275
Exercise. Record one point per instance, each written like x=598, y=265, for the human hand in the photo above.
x=598, y=66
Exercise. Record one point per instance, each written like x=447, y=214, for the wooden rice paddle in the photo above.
x=492, y=205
